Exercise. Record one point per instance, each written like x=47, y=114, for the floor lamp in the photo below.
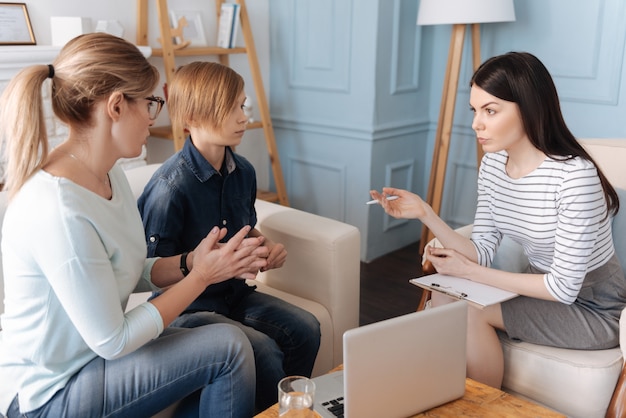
x=460, y=14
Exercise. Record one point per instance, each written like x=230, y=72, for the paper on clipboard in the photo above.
x=477, y=293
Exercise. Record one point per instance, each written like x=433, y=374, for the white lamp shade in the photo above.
x=441, y=12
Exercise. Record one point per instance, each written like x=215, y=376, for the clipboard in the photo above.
x=478, y=294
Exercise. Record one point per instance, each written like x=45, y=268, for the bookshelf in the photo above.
x=169, y=51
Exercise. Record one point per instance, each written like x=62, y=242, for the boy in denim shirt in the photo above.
x=204, y=185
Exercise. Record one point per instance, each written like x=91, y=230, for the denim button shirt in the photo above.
x=185, y=198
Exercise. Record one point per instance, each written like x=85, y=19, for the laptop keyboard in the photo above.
x=335, y=406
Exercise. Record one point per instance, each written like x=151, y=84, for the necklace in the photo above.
x=69, y=154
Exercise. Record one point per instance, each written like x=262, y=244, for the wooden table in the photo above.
x=479, y=401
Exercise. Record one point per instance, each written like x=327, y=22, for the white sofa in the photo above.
x=577, y=383
x=321, y=275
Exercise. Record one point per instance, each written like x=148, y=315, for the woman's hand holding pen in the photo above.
x=408, y=205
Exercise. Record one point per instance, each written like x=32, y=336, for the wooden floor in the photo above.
x=385, y=288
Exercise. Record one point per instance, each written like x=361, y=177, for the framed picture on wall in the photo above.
x=15, y=27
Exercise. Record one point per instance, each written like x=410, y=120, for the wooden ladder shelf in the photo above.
x=168, y=52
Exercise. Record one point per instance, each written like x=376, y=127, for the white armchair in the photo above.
x=578, y=383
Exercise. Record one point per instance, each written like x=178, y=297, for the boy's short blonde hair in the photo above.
x=202, y=94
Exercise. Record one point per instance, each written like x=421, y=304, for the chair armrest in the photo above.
x=323, y=263
x=617, y=407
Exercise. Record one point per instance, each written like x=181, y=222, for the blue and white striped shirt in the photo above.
x=557, y=213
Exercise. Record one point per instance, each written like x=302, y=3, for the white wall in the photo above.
x=125, y=12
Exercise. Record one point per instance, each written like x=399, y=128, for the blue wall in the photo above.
x=355, y=90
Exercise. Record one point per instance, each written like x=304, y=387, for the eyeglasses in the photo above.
x=155, y=104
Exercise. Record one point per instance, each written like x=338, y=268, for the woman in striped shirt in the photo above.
x=538, y=186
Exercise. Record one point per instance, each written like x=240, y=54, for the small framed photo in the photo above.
x=15, y=27
x=189, y=25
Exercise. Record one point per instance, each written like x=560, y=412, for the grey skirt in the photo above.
x=590, y=323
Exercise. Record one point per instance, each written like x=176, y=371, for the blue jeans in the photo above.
x=211, y=368
x=285, y=339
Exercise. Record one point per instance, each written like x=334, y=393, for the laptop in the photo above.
x=398, y=367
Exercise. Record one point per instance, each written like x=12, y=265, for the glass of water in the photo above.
x=295, y=397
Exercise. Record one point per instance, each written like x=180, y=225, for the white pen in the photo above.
x=374, y=202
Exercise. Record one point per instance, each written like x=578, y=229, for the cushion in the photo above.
x=557, y=377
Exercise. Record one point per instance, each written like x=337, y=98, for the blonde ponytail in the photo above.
x=22, y=127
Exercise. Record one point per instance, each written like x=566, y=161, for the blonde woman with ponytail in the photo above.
x=73, y=251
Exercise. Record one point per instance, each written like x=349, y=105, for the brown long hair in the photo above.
x=88, y=69
x=522, y=78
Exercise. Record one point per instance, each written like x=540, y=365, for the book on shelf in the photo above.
x=228, y=25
